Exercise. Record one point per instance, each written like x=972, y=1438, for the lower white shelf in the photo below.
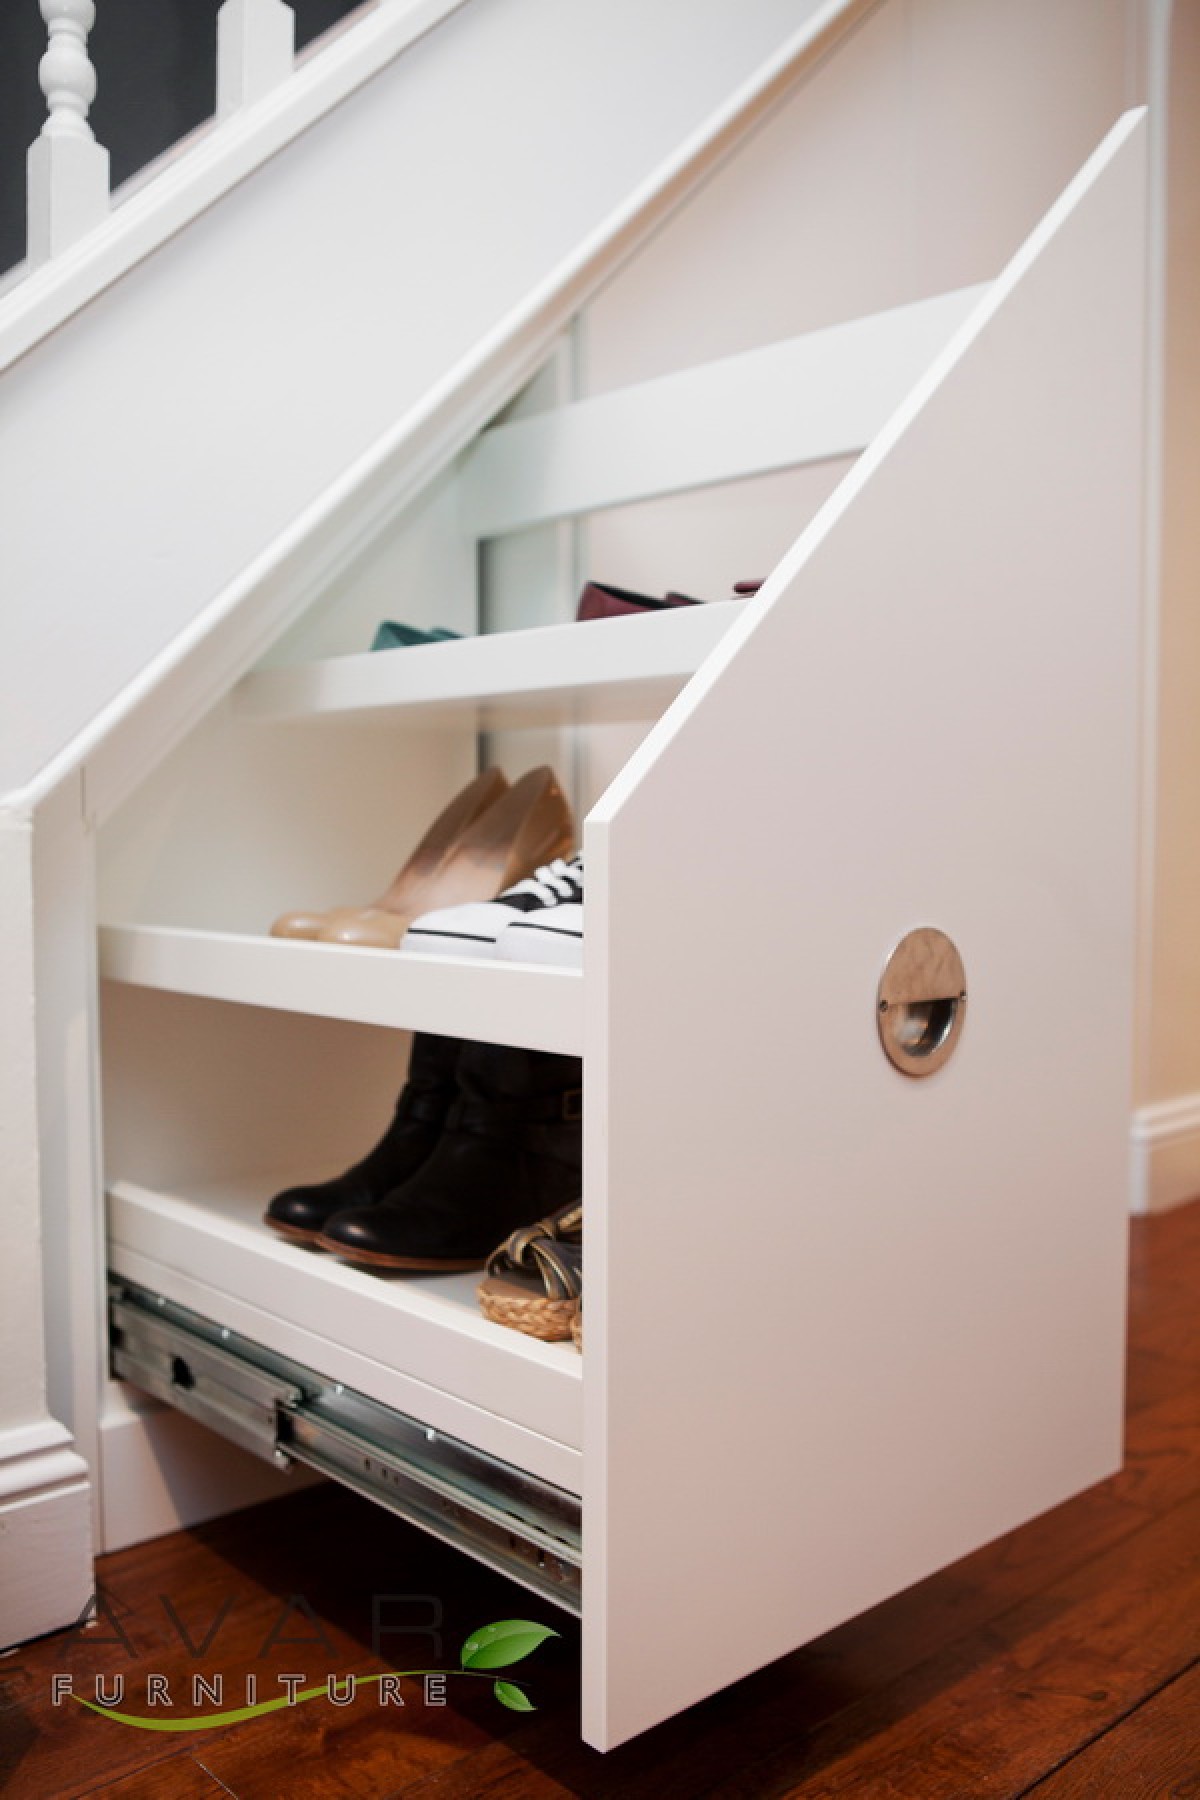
x=496, y=1003
x=414, y=1342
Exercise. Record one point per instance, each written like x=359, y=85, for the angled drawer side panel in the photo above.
x=850, y=1325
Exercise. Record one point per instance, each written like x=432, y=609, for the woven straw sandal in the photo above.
x=534, y=1281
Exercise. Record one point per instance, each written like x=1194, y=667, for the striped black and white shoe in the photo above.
x=474, y=929
x=554, y=936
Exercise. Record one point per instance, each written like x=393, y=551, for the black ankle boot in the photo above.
x=511, y=1151
x=425, y=1099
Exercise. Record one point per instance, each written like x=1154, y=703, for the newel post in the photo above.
x=256, y=43
x=67, y=170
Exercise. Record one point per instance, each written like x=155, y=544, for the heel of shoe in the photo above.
x=524, y=862
x=546, y=832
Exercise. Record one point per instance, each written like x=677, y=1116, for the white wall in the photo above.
x=915, y=160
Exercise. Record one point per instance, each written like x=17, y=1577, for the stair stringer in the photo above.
x=846, y=1326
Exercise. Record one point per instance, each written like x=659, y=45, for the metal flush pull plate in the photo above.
x=921, y=1002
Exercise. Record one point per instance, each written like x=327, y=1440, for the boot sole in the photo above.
x=292, y=1231
x=384, y=1259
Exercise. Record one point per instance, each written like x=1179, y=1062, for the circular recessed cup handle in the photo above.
x=921, y=1002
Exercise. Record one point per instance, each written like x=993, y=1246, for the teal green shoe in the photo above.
x=393, y=636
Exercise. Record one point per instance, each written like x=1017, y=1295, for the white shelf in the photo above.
x=497, y=1003
x=415, y=1342
x=598, y=672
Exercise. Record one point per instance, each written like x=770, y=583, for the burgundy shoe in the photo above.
x=599, y=601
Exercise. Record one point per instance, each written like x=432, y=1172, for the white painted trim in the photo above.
x=202, y=661
x=45, y=1536
x=213, y=163
x=1166, y=1154
x=35, y=1458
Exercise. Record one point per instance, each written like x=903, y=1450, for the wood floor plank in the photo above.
x=1154, y=1754
x=1162, y=1451
x=997, y=1710
x=180, y=1777
x=363, y=1751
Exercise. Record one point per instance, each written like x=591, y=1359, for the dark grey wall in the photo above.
x=156, y=63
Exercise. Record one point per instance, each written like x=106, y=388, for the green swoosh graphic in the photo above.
x=213, y=1720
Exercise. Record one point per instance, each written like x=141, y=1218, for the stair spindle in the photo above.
x=256, y=42
x=67, y=170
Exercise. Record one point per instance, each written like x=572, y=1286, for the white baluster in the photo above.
x=256, y=42
x=67, y=170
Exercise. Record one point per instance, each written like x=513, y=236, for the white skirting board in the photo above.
x=45, y=1531
x=1166, y=1154
x=158, y=1473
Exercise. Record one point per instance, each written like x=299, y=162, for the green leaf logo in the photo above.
x=496, y=1646
x=515, y=1698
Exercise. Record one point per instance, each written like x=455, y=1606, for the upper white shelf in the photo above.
x=598, y=672
x=498, y=1003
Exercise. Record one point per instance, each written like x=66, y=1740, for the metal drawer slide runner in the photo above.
x=284, y=1412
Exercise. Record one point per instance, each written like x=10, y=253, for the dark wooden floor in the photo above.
x=1062, y=1661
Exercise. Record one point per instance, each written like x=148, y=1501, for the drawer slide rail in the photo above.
x=286, y=1413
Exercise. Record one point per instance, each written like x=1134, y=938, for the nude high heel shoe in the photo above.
x=453, y=820
x=530, y=824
